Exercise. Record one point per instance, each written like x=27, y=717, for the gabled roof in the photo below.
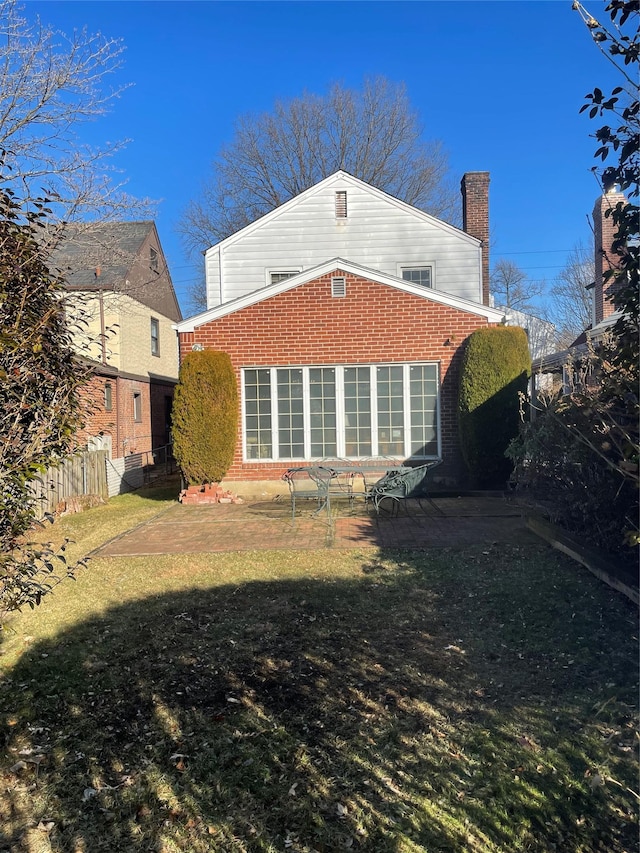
x=102, y=255
x=338, y=265
x=342, y=178
x=109, y=246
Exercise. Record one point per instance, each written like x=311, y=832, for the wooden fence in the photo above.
x=83, y=473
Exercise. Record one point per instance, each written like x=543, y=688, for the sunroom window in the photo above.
x=353, y=412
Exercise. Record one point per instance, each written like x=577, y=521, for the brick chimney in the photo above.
x=475, y=218
x=603, y=232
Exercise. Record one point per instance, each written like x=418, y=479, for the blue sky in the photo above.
x=499, y=83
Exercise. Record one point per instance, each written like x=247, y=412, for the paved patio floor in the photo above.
x=267, y=524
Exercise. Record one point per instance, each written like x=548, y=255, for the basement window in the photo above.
x=338, y=286
x=341, y=204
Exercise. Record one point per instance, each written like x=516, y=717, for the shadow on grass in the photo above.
x=430, y=705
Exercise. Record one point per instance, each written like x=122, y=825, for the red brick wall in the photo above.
x=96, y=418
x=133, y=437
x=604, y=231
x=373, y=323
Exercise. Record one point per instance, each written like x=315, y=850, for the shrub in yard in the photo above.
x=495, y=369
x=205, y=416
x=40, y=399
x=579, y=456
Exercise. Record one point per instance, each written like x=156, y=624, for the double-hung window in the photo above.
x=155, y=336
x=353, y=412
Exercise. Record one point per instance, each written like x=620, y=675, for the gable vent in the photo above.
x=338, y=286
x=341, y=204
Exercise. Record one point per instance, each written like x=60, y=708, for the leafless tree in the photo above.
x=571, y=300
x=50, y=85
x=512, y=288
x=371, y=133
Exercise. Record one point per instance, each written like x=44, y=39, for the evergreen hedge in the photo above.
x=205, y=416
x=495, y=368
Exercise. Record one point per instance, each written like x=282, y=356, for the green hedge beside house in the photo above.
x=495, y=369
x=205, y=417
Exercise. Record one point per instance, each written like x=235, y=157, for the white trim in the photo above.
x=338, y=265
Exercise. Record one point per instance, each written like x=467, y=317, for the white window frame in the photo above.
x=418, y=265
x=288, y=272
x=340, y=413
x=155, y=338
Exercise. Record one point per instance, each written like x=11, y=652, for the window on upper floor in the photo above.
x=153, y=259
x=155, y=336
x=422, y=275
x=274, y=276
x=341, y=204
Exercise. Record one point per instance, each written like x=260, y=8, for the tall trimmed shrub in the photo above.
x=495, y=368
x=205, y=416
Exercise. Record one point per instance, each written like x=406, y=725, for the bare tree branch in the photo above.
x=571, y=300
x=371, y=133
x=512, y=288
x=50, y=85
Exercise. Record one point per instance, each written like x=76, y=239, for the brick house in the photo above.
x=565, y=367
x=125, y=305
x=344, y=312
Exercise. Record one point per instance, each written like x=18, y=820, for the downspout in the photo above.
x=103, y=334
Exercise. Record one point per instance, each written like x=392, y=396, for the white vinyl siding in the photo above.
x=380, y=235
x=353, y=412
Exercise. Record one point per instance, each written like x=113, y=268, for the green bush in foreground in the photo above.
x=205, y=416
x=495, y=370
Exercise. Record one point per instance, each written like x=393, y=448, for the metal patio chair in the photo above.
x=402, y=485
x=309, y=482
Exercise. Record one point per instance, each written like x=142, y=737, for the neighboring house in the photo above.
x=122, y=292
x=541, y=334
x=565, y=368
x=344, y=312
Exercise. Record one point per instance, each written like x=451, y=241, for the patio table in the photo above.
x=335, y=478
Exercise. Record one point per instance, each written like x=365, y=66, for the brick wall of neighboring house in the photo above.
x=97, y=419
x=605, y=260
x=374, y=323
x=133, y=436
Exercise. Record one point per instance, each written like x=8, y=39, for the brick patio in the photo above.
x=267, y=524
